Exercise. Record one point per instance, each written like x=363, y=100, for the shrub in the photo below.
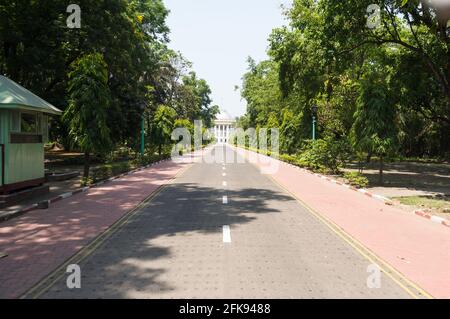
x=108, y=170
x=101, y=173
x=86, y=181
x=121, y=167
x=148, y=159
x=325, y=155
x=356, y=179
x=288, y=159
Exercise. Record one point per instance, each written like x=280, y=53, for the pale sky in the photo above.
x=218, y=36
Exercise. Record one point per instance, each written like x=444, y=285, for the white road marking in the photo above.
x=224, y=168
x=226, y=234
x=224, y=183
x=225, y=199
x=224, y=174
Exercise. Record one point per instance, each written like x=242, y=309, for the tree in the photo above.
x=327, y=52
x=272, y=124
x=374, y=130
x=197, y=99
x=261, y=91
x=209, y=114
x=36, y=50
x=189, y=126
x=289, y=132
x=163, y=124
x=416, y=26
x=86, y=114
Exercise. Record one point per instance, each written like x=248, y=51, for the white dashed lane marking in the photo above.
x=224, y=184
x=226, y=234
x=225, y=200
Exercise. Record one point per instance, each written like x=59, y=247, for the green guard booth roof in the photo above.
x=14, y=96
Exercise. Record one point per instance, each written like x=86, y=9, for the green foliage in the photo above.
x=356, y=179
x=37, y=51
x=288, y=159
x=89, y=102
x=185, y=123
x=106, y=171
x=272, y=121
x=386, y=87
x=324, y=155
x=149, y=158
x=109, y=170
x=290, y=132
x=374, y=129
x=86, y=181
x=261, y=90
x=163, y=124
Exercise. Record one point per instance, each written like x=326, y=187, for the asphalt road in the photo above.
x=176, y=246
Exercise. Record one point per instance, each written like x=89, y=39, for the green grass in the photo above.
x=426, y=201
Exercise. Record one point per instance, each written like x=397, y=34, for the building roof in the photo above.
x=14, y=96
x=224, y=116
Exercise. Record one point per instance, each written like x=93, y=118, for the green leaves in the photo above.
x=89, y=100
x=375, y=127
x=163, y=124
x=386, y=87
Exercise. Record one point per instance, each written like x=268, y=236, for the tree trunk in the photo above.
x=369, y=157
x=381, y=170
x=160, y=149
x=86, y=165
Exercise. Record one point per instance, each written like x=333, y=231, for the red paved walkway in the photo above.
x=40, y=241
x=414, y=246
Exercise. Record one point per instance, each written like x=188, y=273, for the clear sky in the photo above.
x=218, y=36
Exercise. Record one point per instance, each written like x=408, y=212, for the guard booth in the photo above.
x=23, y=131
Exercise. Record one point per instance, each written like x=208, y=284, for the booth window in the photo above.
x=28, y=123
x=26, y=128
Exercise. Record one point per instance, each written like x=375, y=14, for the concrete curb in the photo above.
x=434, y=219
x=16, y=213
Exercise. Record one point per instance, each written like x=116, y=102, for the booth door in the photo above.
x=2, y=165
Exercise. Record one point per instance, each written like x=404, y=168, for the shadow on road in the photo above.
x=132, y=263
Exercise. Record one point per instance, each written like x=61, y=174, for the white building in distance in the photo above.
x=224, y=126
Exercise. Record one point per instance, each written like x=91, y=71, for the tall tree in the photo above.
x=86, y=115
x=163, y=124
x=374, y=129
